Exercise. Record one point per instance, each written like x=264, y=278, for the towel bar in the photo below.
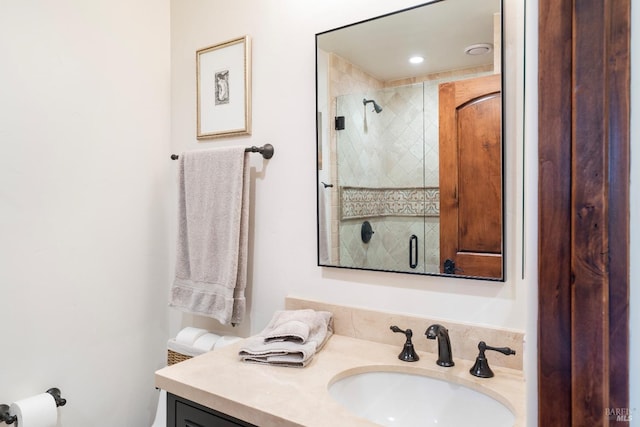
x=7, y=418
x=266, y=150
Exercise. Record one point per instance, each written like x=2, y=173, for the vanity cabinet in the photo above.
x=185, y=413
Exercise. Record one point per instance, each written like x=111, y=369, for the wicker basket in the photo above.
x=175, y=357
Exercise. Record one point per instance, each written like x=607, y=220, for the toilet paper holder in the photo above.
x=7, y=418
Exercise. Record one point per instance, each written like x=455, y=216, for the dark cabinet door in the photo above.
x=184, y=413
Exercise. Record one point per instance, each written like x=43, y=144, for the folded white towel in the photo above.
x=189, y=335
x=211, y=256
x=206, y=342
x=284, y=342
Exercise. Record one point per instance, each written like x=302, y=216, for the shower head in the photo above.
x=376, y=107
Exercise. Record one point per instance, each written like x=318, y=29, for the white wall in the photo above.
x=283, y=252
x=84, y=134
x=283, y=255
x=530, y=215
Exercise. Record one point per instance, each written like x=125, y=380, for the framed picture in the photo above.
x=223, y=74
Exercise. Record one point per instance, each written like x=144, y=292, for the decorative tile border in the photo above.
x=361, y=202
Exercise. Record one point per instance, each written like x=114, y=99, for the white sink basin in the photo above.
x=399, y=399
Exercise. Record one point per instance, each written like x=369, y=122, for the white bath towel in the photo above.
x=190, y=334
x=213, y=220
x=280, y=343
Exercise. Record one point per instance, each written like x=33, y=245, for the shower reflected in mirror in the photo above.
x=389, y=169
x=377, y=108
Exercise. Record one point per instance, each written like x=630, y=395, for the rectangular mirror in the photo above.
x=409, y=142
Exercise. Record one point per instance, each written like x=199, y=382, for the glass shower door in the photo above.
x=381, y=182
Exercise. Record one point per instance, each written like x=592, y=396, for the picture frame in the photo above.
x=223, y=75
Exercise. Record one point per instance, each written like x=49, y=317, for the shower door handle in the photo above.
x=413, y=251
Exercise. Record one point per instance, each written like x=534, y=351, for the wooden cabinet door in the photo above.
x=470, y=147
x=184, y=413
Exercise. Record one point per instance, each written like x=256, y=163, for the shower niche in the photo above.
x=379, y=143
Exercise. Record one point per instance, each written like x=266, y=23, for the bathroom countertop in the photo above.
x=273, y=396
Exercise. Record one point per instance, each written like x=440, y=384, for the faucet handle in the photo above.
x=408, y=353
x=481, y=367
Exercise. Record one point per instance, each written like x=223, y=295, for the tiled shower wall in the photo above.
x=396, y=150
x=344, y=78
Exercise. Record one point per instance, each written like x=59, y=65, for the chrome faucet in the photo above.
x=445, y=357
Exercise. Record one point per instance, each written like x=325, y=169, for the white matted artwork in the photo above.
x=223, y=74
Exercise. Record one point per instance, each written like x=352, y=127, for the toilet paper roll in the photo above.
x=36, y=411
x=189, y=335
x=225, y=341
x=206, y=342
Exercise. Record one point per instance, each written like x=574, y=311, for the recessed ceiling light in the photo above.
x=416, y=59
x=478, y=49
